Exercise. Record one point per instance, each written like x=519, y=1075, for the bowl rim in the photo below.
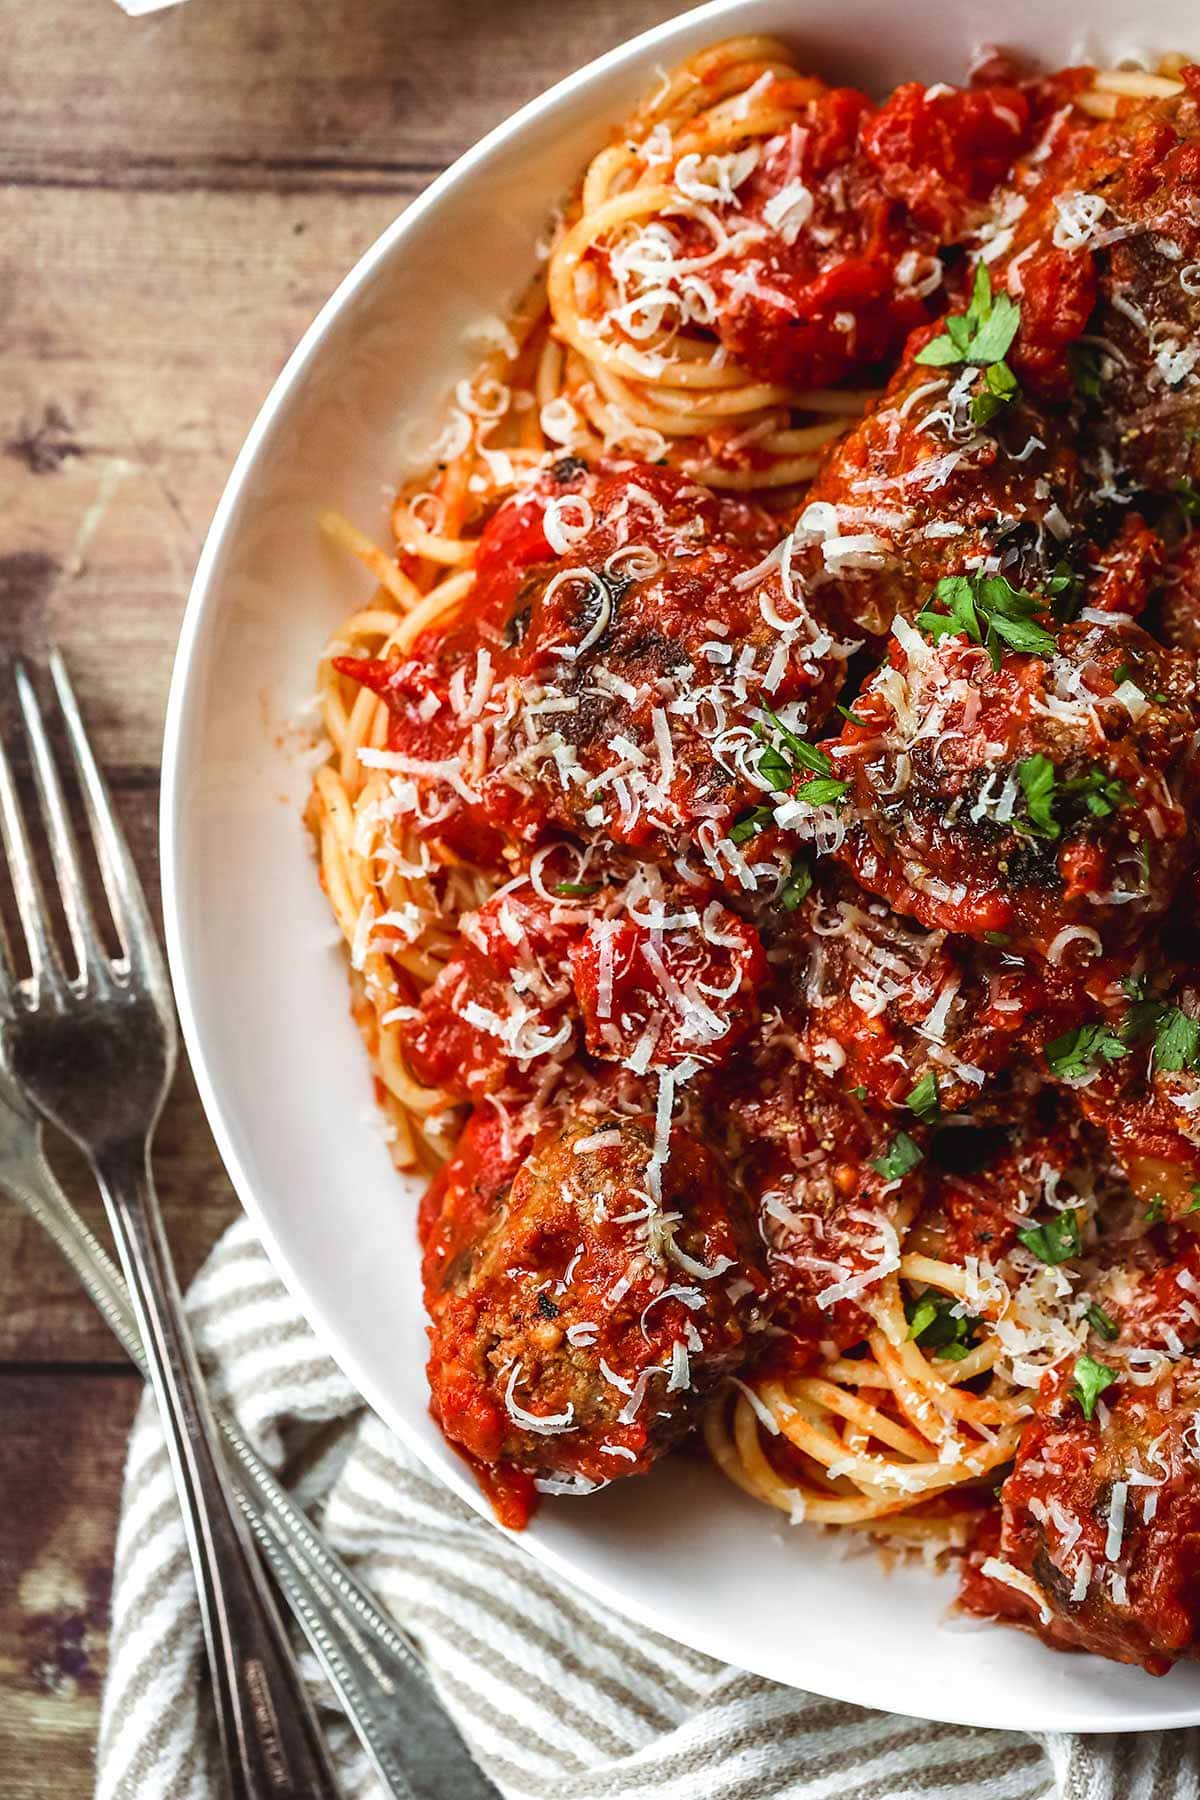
x=182, y=698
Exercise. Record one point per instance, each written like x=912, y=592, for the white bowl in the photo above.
x=260, y=978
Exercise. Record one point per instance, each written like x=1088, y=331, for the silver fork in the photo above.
x=371, y=1665
x=94, y=1052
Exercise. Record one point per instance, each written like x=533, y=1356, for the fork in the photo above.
x=371, y=1665
x=95, y=1052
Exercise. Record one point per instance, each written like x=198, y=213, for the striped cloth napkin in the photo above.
x=559, y=1699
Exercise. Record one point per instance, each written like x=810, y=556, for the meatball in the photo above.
x=623, y=634
x=657, y=975
x=828, y=1178
x=1137, y=1077
x=1126, y=225
x=1046, y=802
x=585, y=1308
x=921, y=1021
x=842, y=218
x=663, y=987
x=919, y=491
x=499, y=1009
x=988, y=1181
x=1099, y=1536
x=650, y=647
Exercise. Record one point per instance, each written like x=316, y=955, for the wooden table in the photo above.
x=180, y=194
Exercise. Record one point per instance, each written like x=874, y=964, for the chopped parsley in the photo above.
x=1091, y=1379
x=1102, y=1323
x=1102, y=794
x=859, y=1092
x=780, y=763
x=1076, y=1053
x=990, y=611
x=982, y=336
x=923, y=1098
x=999, y=940
x=933, y=1323
x=1177, y=1041
x=1065, y=588
x=1084, y=360
x=1141, y=1021
x=1000, y=388
x=1037, y=777
x=1176, y=1035
x=774, y=767
x=822, y=792
x=576, y=890
x=1156, y=1210
x=899, y=1159
x=750, y=823
x=1057, y=1241
x=786, y=759
x=797, y=885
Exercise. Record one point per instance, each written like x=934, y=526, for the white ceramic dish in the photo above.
x=261, y=981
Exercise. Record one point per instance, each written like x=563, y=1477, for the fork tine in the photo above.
x=8, y=988
x=26, y=887
x=126, y=895
x=64, y=847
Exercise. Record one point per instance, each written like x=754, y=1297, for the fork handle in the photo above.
x=273, y=1747
x=369, y=1661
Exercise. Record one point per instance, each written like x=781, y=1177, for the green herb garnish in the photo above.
x=790, y=757
x=1057, y=1241
x=1084, y=360
x=923, y=1098
x=576, y=890
x=797, y=885
x=1177, y=1041
x=1037, y=776
x=1075, y=1053
x=1176, y=1036
x=1091, y=1379
x=1156, y=1210
x=899, y=1159
x=1188, y=496
x=1102, y=794
x=1102, y=1323
x=749, y=824
x=780, y=763
x=990, y=611
x=775, y=768
x=822, y=792
x=981, y=336
x=1000, y=388
x=934, y=1325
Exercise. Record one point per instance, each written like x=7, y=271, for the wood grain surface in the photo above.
x=178, y=195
